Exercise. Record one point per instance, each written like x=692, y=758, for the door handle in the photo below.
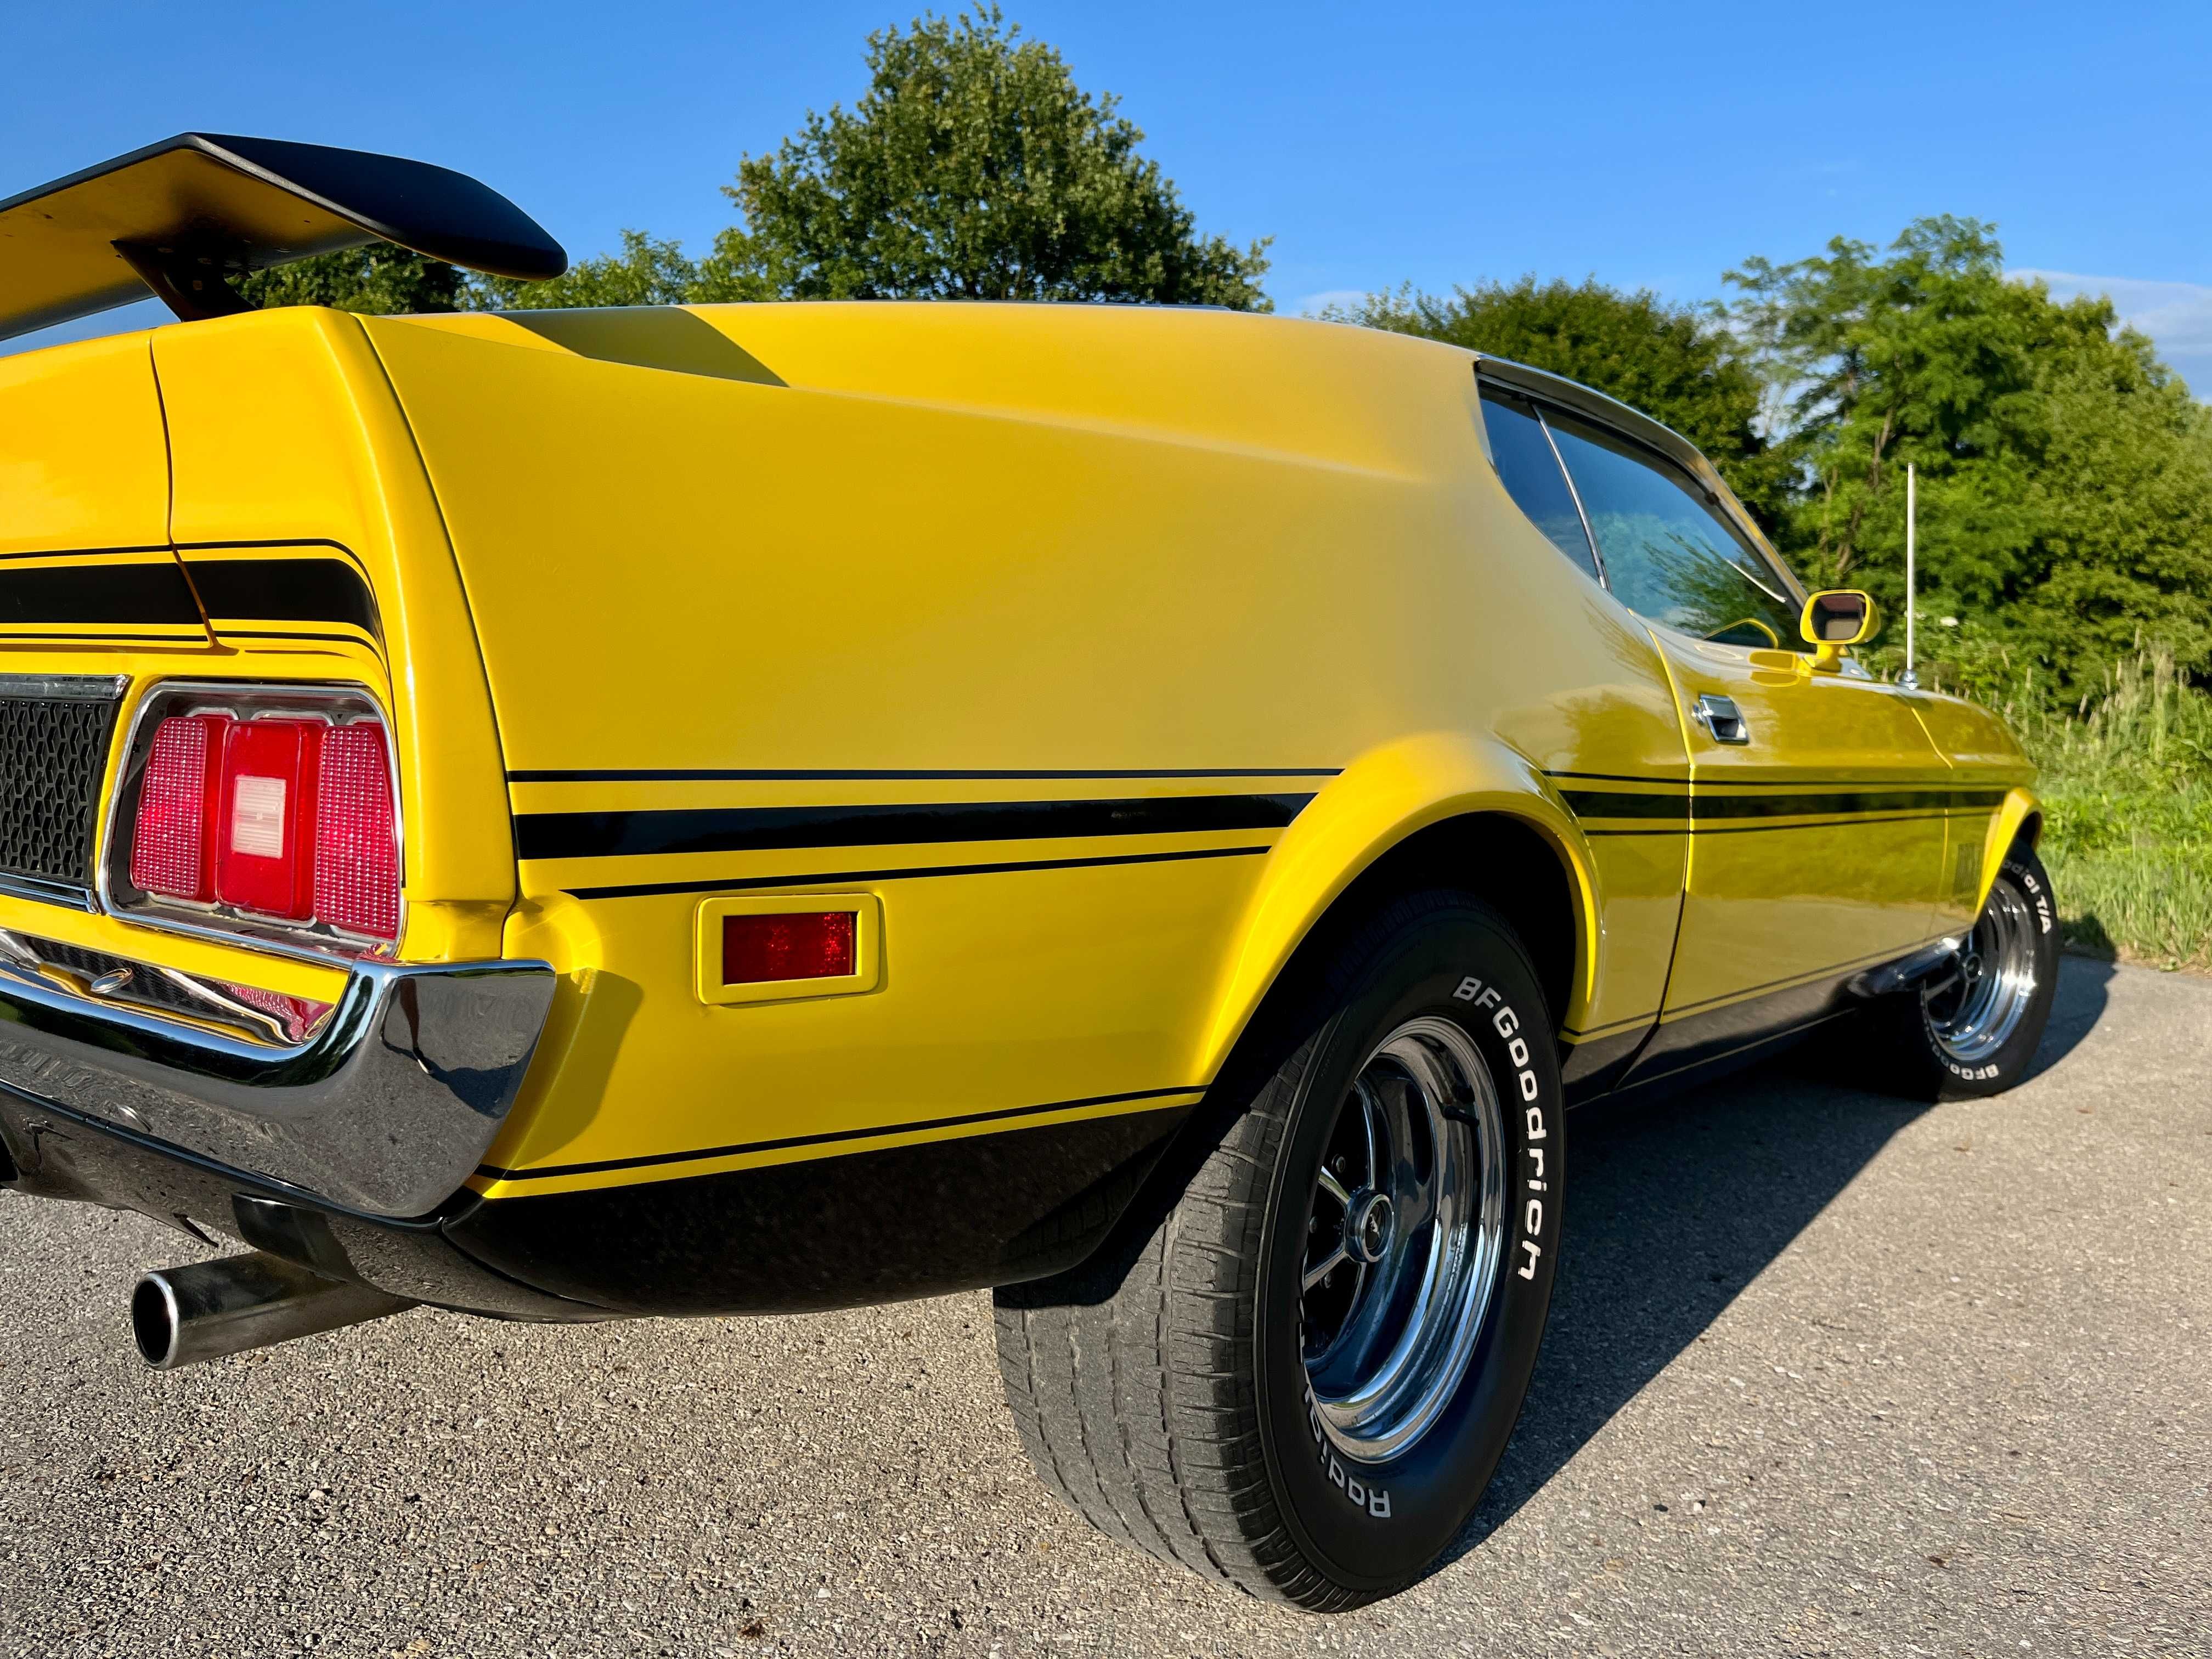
x=1720, y=718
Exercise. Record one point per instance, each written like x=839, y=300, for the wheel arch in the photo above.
x=2018, y=821
x=1442, y=810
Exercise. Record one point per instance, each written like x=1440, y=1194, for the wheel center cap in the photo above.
x=1367, y=1227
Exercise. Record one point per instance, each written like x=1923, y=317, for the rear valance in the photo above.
x=179, y=217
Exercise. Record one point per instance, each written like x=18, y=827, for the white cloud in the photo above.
x=1312, y=304
x=2178, y=316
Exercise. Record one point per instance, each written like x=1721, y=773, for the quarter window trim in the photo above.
x=1574, y=495
x=1744, y=535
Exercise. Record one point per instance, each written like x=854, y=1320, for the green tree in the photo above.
x=1924, y=357
x=973, y=168
x=2065, y=475
x=378, y=279
x=2122, y=507
x=1680, y=364
x=647, y=272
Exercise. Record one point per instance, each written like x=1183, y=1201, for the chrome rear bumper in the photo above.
x=385, y=1111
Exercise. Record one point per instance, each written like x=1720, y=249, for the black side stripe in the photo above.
x=492, y=1172
x=683, y=775
x=81, y=595
x=839, y=877
x=762, y=828
x=1624, y=803
x=1703, y=832
x=160, y=594
x=286, y=590
x=1713, y=808
x=1863, y=801
x=1650, y=782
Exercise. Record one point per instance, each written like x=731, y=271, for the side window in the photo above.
x=1531, y=475
x=1668, y=554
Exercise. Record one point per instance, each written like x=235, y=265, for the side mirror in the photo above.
x=1837, y=617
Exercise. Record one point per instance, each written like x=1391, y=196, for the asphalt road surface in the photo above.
x=1827, y=1374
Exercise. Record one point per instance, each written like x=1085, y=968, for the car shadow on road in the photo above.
x=1678, y=1204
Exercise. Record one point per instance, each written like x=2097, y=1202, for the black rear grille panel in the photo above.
x=53, y=753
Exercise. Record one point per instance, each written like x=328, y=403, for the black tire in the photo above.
x=1161, y=1389
x=1920, y=1058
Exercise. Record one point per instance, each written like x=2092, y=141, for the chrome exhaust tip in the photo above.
x=183, y=1316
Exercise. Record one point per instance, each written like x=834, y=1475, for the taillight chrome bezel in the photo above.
x=333, y=703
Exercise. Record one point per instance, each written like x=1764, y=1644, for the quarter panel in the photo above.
x=1045, y=995
x=82, y=464
x=1150, y=568
x=284, y=430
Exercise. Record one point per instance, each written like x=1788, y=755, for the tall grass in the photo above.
x=2127, y=788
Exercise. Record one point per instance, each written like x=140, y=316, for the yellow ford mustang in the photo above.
x=702, y=811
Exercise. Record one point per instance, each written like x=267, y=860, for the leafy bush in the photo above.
x=2127, y=790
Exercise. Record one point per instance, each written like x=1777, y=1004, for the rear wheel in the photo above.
x=1972, y=1028
x=1298, y=1375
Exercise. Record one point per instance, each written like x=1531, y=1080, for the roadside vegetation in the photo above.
x=2064, y=472
x=2127, y=788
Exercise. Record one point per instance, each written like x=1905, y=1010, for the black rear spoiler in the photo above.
x=178, y=218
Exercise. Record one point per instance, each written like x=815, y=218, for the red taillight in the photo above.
x=173, y=848
x=356, y=875
x=286, y=818
x=267, y=801
x=812, y=944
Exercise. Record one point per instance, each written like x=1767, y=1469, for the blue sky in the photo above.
x=1651, y=145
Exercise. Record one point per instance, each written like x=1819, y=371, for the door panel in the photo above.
x=1814, y=814
x=1816, y=845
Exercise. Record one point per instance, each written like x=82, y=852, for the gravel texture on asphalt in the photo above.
x=1827, y=1373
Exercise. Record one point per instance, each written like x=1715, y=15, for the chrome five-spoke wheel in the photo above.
x=1975, y=1003
x=1405, y=1239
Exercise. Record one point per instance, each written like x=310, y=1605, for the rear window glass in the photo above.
x=1531, y=475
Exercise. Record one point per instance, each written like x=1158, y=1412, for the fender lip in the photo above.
x=386, y=1110
x=1374, y=803
x=2020, y=804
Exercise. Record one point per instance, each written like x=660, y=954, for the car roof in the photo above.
x=1589, y=400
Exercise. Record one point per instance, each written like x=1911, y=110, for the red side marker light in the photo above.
x=810, y=944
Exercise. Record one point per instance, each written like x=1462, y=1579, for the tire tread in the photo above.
x=1157, y=1440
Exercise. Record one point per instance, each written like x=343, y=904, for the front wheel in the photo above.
x=1970, y=1028
x=1299, y=1375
